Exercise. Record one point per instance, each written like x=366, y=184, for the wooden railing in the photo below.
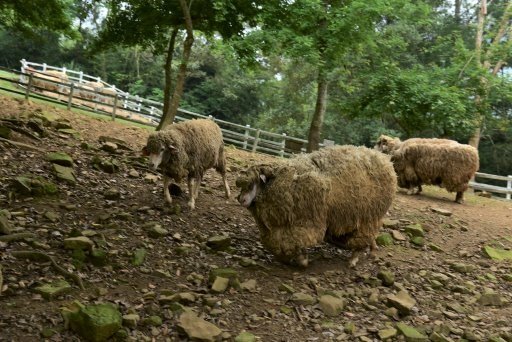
x=74, y=95
x=507, y=190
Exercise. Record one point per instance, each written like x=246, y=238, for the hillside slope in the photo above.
x=445, y=288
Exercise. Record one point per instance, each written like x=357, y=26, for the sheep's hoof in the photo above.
x=191, y=205
x=410, y=192
x=302, y=260
x=353, y=262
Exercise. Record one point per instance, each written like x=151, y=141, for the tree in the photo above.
x=157, y=25
x=29, y=18
x=491, y=55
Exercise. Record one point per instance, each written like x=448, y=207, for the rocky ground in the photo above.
x=89, y=250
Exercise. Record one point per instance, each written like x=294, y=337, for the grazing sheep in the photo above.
x=338, y=194
x=441, y=162
x=187, y=149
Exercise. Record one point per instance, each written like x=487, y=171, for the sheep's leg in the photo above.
x=197, y=186
x=226, y=185
x=354, y=258
x=373, y=249
x=302, y=259
x=419, y=189
x=191, y=192
x=167, y=195
x=460, y=197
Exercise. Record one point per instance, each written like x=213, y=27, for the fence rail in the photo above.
x=148, y=112
x=507, y=190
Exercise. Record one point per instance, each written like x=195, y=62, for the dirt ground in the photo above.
x=448, y=296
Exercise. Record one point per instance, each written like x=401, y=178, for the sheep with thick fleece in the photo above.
x=441, y=162
x=338, y=194
x=186, y=150
x=48, y=79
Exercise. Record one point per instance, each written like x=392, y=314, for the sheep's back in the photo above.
x=363, y=187
x=201, y=140
x=451, y=165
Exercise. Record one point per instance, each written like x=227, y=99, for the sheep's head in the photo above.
x=387, y=144
x=251, y=182
x=158, y=150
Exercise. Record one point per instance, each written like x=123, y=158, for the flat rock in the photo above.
x=301, y=298
x=95, y=322
x=385, y=334
x=80, y=242
x=330, y=305
x=63, y=173
x=197, y=329
x=410, y=333
x=60, y=158
x=220, y=284
x=245, y=337
x=219, y=242
x=249, y=285
x=401, y=301
x=415, y=230
x=5, y=225
x=397, y=235
x=384, y=239
x=131, y=320
x=441, y=211
x=52, y=290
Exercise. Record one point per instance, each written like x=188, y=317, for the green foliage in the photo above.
x=30, y=18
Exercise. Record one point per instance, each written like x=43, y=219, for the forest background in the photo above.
x=346, y=70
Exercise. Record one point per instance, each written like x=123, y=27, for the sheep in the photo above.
x=187, y=149
x=338, y=194
x=441, y=162
x=48, y=79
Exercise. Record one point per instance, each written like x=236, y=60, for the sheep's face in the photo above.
x=385, y=144
x=250, y=186
x=157, y=152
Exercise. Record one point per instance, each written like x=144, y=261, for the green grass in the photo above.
x=10, y=85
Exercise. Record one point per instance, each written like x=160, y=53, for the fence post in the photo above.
x=125, y=102
x=44, y=66
x=283, y=144
x=509, y=186
x=256, y=140
x=70, y=98
x=246, y=137
x=64, y=70
x=139, y=103
x=29, y=85
x=114, y=109
x=80, y=76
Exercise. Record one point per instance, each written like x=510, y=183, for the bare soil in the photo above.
x=120, y=227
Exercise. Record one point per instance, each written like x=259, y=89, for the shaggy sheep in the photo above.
x=187, y=149
x=338, y=194
x=441, y=162
x=48, y=79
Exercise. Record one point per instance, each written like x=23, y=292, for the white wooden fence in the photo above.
x=493, y=188
x=244, y=137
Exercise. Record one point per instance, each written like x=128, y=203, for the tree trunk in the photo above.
x=457, y=11
x=318, y=117
x=171, y=112
x=168, y=78
x=474, y=139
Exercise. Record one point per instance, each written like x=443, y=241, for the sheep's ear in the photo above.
x=172, y=149
x=263, y=178
x=145, y=151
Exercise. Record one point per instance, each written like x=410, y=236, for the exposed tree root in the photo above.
x=16, y=237
x=21, y=145
x=39, y=256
